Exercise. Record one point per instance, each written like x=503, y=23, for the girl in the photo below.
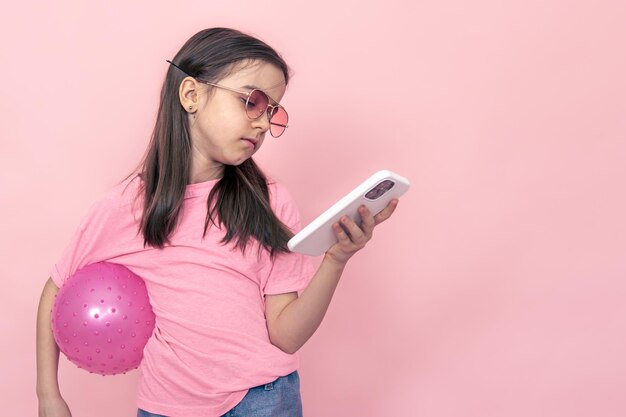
x=206, y=230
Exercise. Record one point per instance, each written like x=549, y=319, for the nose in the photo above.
x=262, y=122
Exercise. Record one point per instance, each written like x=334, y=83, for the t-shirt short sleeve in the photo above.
x=289, y=272
x=82, y=249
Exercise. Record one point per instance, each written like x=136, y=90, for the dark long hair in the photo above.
x=240, y=199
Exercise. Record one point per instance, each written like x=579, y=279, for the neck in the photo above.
x=206, y=173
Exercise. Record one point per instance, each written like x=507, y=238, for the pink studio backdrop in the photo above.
x=497, y=289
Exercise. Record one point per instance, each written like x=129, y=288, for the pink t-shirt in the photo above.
x=210, y=343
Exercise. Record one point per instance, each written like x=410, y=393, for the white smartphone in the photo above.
x=375, y=193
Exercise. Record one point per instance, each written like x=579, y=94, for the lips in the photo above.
x=253, y=141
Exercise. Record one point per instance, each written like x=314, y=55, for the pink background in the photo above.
x=497, y=289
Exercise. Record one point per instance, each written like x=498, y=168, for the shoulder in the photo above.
x=121, y=193
x=278, y=192
x=117, y=197
x=280, y=198
x=283, y=204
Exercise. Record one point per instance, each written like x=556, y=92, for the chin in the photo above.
x=238, y=162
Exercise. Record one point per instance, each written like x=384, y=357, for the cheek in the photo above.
x=229, y=120
x=203, y=129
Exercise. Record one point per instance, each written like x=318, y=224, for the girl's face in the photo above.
x=221, y=132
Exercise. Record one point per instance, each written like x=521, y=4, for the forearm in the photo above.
x=301, y=318
x=47, y=349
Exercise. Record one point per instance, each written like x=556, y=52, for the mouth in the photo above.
x=251, y=141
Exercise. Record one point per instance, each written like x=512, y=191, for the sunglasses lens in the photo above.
x=278, y=121
x=257, y=103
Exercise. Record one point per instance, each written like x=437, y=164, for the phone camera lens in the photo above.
x=379, y=189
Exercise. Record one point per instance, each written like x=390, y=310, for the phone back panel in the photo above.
x=318, y=236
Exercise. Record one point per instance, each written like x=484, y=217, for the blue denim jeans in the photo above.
x=280, y=398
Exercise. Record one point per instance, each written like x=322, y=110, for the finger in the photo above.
x=368, y=221
x=356, y=234
x=342, y=236
x=387, y=211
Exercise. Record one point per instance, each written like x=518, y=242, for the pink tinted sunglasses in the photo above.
x=257, y=103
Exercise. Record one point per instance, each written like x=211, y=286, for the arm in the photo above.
x=50, y=401
x=292, y=320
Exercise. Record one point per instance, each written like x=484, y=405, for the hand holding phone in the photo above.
x=375, y=193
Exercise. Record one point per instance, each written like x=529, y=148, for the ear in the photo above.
x=188, y=93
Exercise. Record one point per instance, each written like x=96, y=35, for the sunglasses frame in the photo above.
x=248, y=94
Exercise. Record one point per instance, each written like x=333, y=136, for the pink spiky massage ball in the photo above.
x=102, y=318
